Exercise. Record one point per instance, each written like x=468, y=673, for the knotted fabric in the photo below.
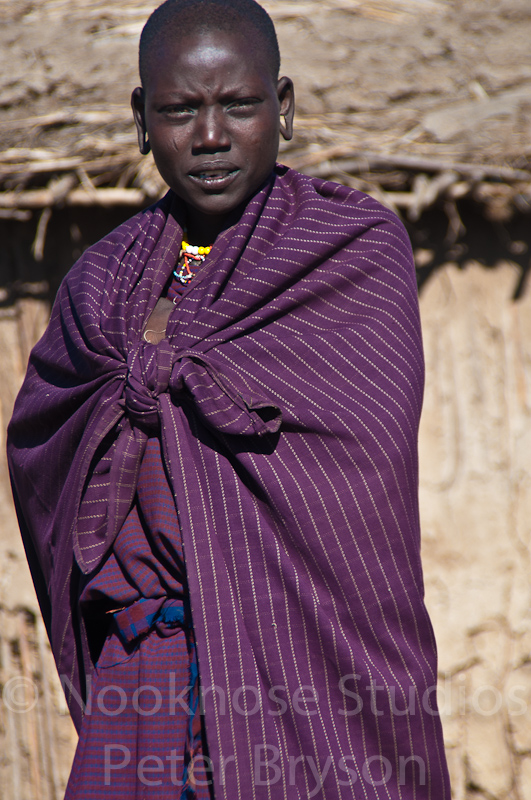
x=287, y=396
x=167, y=615
x=155, y=369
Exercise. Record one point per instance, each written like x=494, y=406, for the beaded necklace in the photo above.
x=192, y=256
x=190, y=259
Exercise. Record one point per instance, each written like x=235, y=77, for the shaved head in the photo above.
x=176, y=19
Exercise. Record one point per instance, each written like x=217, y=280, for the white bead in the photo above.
x=195, y=250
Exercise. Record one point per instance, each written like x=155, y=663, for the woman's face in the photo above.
x=211, y=111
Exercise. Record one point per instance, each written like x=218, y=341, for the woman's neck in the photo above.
x=204, y=229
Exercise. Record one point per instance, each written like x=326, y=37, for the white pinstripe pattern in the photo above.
x=302, y=546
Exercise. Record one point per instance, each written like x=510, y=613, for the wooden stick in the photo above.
x=12, y=203
x=31, y=154
x=70, y=118
x=331, y=158
x=15, y=213
x=43, y=198
x=94, y=165
x=20, y=157
x=40, y=237
x=427, y=191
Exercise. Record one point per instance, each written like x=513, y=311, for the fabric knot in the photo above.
x=220, y=399
x=166, y=614
x=148, y=375
x=154, y=378
x=137, y=619
x=172, y=615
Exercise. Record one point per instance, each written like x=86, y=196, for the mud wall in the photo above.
x=475, y=496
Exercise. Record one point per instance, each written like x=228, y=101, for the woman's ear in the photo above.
x=138, y=106
x=286, y=99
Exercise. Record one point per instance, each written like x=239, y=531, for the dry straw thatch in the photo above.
x=416, y=101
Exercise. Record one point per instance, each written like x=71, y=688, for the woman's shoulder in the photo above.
x=325, y=197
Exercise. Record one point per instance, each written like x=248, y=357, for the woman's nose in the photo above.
x=210, y=131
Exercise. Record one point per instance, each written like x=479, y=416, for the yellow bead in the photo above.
x=201, y=251
x=207, y=250
x=184, y=245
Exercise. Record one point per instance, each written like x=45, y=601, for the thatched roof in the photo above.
x=412, y=100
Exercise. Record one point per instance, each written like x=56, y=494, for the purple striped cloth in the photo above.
x=142, y=583
x=287, y=396
x=134, y=741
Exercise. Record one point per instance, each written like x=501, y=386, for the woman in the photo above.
x=214, y=458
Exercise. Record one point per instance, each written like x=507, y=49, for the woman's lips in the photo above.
x=214, y=177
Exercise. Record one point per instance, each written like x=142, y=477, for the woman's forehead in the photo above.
x=245, y=39
x=219, y=57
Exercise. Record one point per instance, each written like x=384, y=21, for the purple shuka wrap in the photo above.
x=287, y=393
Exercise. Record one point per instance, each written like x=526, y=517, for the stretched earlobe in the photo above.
x=143, y=143
x=137, y=104
x=286, y=97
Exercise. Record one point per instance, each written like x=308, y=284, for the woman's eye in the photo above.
x=176, y=111
x=244, y=104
